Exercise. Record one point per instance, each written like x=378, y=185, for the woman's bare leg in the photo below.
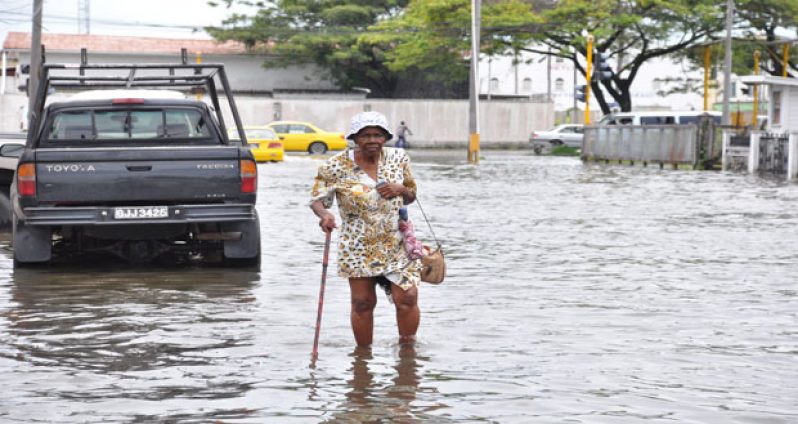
x=407, y=313
x=364, y=299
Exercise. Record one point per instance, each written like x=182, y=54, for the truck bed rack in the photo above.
x=195, y=78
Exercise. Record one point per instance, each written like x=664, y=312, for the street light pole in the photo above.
x=473, y=104
x=588, y=77
x=727, y=62
x=35, y=56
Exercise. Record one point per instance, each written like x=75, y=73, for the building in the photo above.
x=782, y=108
x=245, y=69
x=543, y=76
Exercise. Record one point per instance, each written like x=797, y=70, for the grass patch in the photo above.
x=564, y=151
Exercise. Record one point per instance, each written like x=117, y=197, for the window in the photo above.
x=300, y=129
x=559, y=84
x=106, y=125
x=281, y=128
x=494, y=84
x=261, y=134
x=72, y=125
x=691, y=119
x=776, y=107
x=526, y=85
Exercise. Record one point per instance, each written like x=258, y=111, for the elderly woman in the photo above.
x=371, y=183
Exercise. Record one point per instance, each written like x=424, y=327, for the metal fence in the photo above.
x=663, y=144
x=773, y=153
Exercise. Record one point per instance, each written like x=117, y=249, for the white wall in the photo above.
x=790, y=109
x=435, y=123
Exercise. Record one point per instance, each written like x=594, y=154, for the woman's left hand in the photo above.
x=391, y=190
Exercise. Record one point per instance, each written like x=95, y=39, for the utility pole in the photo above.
x=35, y=56
x=756, y=89
x=588, y=77
x=573, y=112
x=727, y=62
x=473, y=104
x=83, y=16
x=785, y=59
x=548, y=76
x=707, y=64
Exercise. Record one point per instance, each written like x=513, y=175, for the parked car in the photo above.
x=566, y=134
x=140, y=173
x=262, y=141
x=657, y=118
x=306, y=137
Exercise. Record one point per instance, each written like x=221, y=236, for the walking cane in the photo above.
x=315, y=354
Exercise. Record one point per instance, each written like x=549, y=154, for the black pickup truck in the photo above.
x=132, y=166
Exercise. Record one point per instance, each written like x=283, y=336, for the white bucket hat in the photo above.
x=368, y=119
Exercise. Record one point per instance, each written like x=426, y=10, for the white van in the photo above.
x=665, y=117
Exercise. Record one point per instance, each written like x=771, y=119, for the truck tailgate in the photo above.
x=166, y=175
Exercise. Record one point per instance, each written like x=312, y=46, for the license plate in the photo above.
x=145, y=212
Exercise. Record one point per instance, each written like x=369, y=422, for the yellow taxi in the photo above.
x=306, y=137
x=262, y=141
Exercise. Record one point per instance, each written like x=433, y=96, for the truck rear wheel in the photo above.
x=32, y=244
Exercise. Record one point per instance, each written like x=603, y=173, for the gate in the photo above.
x=773, y=153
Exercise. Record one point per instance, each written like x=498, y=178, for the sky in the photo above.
x=151, y=18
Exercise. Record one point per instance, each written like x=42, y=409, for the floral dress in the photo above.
x=370, y=243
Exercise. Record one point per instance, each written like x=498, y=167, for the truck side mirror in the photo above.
x=12, y=150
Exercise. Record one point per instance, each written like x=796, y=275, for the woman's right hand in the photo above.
x=327, y=222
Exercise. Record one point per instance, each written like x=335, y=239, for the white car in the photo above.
x=566, y=134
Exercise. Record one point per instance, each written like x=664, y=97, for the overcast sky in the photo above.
x=152, y=18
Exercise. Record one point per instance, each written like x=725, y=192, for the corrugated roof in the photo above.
x=121, y=44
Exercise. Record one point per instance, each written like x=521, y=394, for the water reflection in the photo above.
x=138, y=325
x=377, y=394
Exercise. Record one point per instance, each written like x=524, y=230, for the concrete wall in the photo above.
x=434, y=123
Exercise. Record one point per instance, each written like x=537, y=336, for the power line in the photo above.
x=67, y=19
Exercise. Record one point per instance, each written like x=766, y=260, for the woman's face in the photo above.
x=370, y=139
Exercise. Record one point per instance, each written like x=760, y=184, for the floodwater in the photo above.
x=575, y=294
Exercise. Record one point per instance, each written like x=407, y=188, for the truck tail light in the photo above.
x=249, y=176
x=26, y=179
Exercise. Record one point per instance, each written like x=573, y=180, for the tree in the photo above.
x=630, y=32
x=757, y=27
x=760, y=21
x=327, y=33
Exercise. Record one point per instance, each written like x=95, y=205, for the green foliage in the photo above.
x=564, y=151
x=374, y=43
x=327, y=33
x=757, y=25
x=430, y=36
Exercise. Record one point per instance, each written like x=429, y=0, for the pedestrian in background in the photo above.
x=401, y=140
x=370, y=183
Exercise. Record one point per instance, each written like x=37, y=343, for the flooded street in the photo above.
x=575, y=294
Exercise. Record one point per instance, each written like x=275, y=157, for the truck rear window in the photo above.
x=125, y=125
